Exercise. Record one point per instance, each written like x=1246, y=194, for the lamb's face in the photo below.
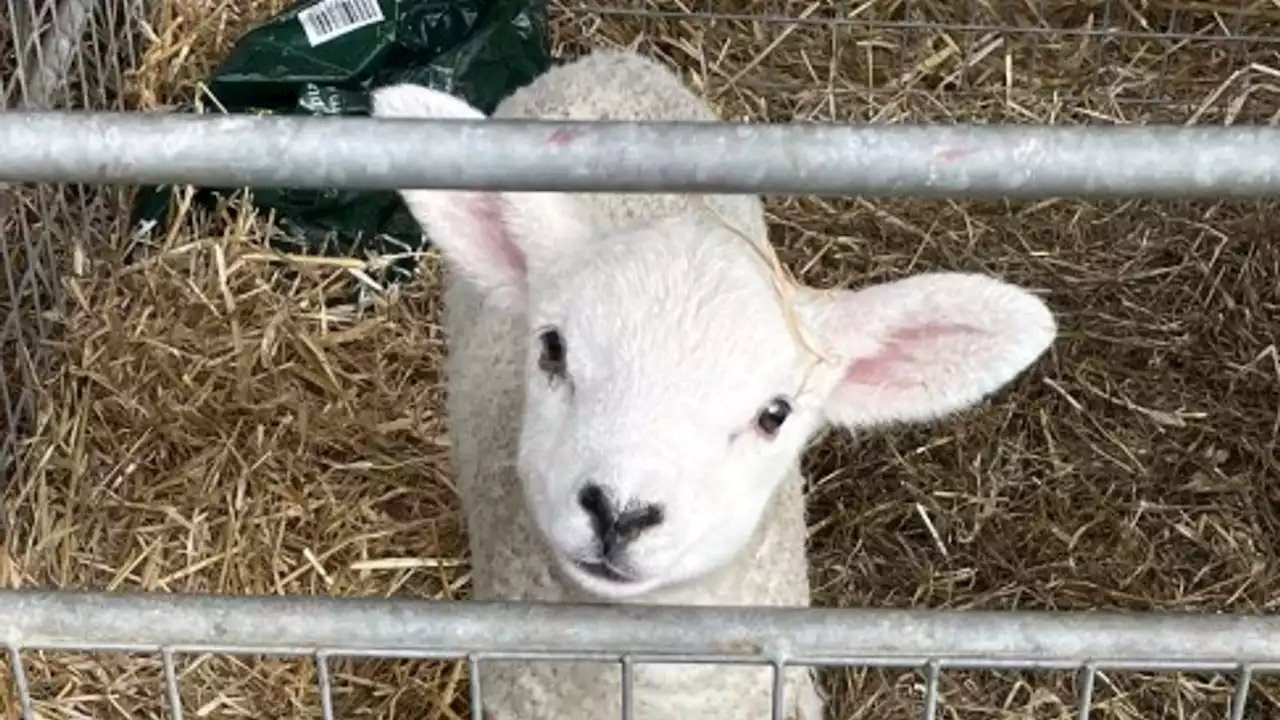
x=662, y=407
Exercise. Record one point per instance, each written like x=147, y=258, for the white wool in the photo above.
x=675, y=341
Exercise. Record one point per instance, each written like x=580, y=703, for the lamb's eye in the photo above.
x=552, y=360
x=773, y=415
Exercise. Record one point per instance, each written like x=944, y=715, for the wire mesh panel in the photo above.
x=54, y=54
x=210, y=432
x=1037, y=61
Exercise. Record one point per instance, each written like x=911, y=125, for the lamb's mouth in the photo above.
x=603, y=571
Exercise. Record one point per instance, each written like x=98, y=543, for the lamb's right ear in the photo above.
x=927, y=346
x=493, y=239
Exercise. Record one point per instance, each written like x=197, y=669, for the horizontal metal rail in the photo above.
x=295, y=625
x=804, y=158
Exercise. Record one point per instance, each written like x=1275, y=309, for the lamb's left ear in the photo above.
x=926, y=346
x=497, y=241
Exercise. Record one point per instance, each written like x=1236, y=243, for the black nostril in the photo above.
x=592, y=499
x=634, y=522
x=615, y=530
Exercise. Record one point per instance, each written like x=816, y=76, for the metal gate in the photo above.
x=1184, y=63
x=323, y=629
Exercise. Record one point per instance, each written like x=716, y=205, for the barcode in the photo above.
x=329, y=19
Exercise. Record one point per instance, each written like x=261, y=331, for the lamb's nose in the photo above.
x=616, y=529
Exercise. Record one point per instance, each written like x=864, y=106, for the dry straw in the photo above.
x=216, y=426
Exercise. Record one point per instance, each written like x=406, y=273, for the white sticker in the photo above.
x=329, y=19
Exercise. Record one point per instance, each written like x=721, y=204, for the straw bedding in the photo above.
x=218, y=428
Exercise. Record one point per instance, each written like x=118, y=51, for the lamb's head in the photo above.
x=671, y=386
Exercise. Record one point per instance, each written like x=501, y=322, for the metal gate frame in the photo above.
x=900, y=161
x=933, y=640
x=831, y=159
x=903, y=161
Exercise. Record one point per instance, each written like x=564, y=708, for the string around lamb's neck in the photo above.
x=785, y=285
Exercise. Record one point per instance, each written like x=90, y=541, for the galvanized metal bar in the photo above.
x=473, y=687
x=778, y=695
x=325, y=684
x=20, y=683
x=932, y=673
x=42, y=619
x=171, y=689
x=628, y=689
x=1084, y=694
x=804, y=158
x=1241, y=696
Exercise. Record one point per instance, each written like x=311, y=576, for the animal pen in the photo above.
x=228, y=493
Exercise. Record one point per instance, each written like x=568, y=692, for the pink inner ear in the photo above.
x=908, y=355
x=489, y=212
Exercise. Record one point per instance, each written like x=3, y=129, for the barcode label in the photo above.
x=329, y=19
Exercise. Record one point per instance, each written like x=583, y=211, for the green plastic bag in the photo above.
x=322, y=57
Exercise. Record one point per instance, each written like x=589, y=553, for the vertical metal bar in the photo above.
x=1101, y=40
x=1171, y=47
x=473, y=684
x=1085, y=693
x=932, y=671
x=77, y=60
x=628, y=689
x=778, y=696
x=1238, y=699
x=20, y=683
x=836, y=69
x=171, y=685
x=962, y=82
x=16, y=396
x=86, y=65
x=1234, y=42
x=326, y=685
x=905, y=36
x=1039, y=11
x=135, y=13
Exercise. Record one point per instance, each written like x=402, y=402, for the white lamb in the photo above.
x=630, y=389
